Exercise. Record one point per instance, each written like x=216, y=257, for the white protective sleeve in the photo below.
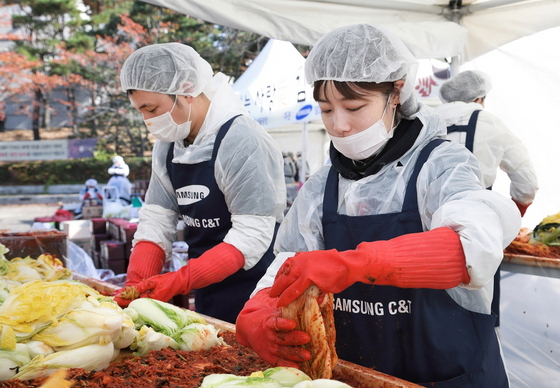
x=495, y=146
x=450, y=193
x=248, y=170
x=158, y=225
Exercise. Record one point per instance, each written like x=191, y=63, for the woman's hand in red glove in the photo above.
x=432, y=259
x=261, y=327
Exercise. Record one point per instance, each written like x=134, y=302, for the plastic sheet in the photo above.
x=34, y=243
x=530, y=329
x=109, y=276
x=79, y=261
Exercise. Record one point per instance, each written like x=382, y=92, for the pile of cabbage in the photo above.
x=53, y=322
x=279, y=377
x=548, y=230
x=19, y=270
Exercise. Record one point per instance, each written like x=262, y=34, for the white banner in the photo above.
x=280, y=102
x=17, y=151
x=298, y=113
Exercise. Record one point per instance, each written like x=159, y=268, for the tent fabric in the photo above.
x=273, y=88
x=277, y=60
x=425, y=26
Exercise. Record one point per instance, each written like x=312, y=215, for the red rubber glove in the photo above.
x=211, y=267
x=86, y=195
x=522, y=207
x=432, y=259
x=261, y=327
x=146, y=260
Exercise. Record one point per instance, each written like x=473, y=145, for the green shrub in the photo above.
x=72, y=171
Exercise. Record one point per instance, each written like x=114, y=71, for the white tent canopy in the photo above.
x=273, y=88
x=275, y=93
x=429, y=28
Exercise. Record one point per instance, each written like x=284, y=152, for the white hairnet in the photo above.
x=466, y=86
x=91, y=182
x=168, y=68
x=118, y=159
x=364, y=53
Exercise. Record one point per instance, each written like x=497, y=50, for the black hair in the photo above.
x=353, y=90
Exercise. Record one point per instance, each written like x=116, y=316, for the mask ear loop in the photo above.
x=385, y=110
x=190, y=109
x=174, y=103
x=393, y=123
x=386, y=106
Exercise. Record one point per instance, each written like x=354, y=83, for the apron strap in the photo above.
x=469, y=129
x=411, y=198
x=330, y=197
x=220, y=136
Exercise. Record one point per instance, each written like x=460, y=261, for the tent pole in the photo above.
x=455, y=14
x=454, y=66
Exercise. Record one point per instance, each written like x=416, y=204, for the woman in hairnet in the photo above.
x=214, y=167
x=491, y=142
x=399, y=228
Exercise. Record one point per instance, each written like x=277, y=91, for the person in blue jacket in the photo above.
x=399, y=228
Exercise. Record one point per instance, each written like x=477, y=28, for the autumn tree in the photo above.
x=83, y=50
x=43, y=25
x=15, y=75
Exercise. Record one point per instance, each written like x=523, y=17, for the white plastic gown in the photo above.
x=494, y=146
x=248, y=170
x=450, y=193
x=119, y=179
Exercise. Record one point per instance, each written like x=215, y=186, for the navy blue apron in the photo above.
x=419, y=335
x=207, y=222
x=470, y=130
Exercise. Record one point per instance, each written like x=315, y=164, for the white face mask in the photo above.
x=163, y=127
x=366, y=143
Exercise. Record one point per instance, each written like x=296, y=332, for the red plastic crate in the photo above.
x=112, y=250
x=96, y=257
x=96, y=241
x=117, y=266
x=127, y=232
x=98, y=226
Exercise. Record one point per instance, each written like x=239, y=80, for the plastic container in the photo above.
x=35, y=243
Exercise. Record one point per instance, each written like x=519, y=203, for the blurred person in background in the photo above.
x=213, y=166
x=299, y=164
x=119, y=172
x=90, y=193
x=492, y=143
x=290, y=168
x=486, y=136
